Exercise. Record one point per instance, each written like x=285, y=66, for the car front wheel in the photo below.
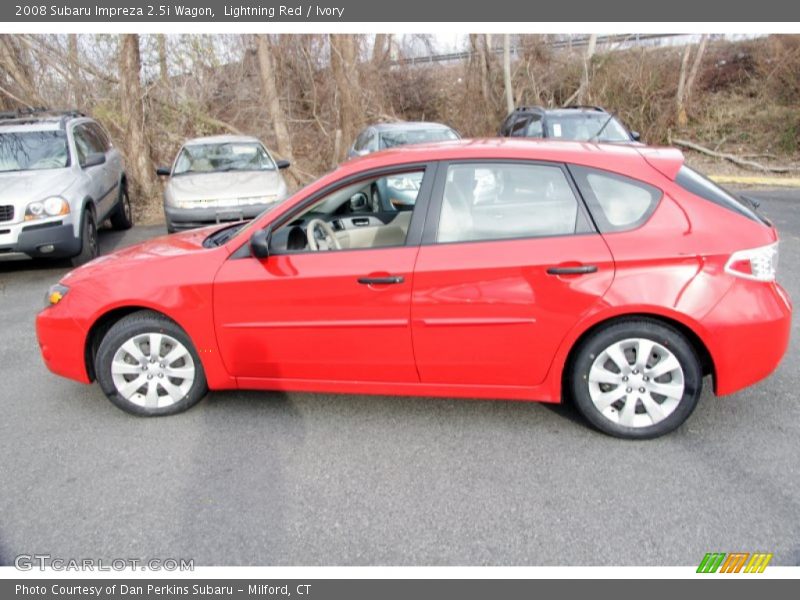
x=90, y=247
x=123, y=215
x=636, y=379
x=148, y=366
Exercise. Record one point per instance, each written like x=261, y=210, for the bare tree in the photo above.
x=381, y=48
x=14, y=62
x=137, y=146
x=345, y=77
x=272, y=98
x=582, y=93
x=507, y=73
x=76, y=82
x=163, y=65
x=686, y=79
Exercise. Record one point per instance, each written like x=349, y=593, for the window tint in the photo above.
x=502, y=201
x=86, y=143
x=100, y=135
x=361, y=140
x=527, y=126
x=699, y=185
x=617, y=202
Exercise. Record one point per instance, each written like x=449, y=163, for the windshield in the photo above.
x=215, y=158
x=33, y=150
x=390, y=139
x=584, y=127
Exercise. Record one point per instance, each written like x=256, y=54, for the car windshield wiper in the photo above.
x=223, y=235
x=602, y=129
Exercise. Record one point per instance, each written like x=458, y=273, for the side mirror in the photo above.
x=358, y=202
x=94, y=159
x=636, y=136
x=259, y=243
x=283, y=164
x=163, y=171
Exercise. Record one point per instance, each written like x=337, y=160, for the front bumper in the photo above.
x=749, y=331
x=62, y=342
x=53, y=239
x=191, y=218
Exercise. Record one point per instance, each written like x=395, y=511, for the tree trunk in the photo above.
x=345, y=77
x=163, y=66
x=75, y=72
x=507, y=73
x=686, y=80
x=583, y=90
x=137, y=146
x=380, y=49
x=272, y=98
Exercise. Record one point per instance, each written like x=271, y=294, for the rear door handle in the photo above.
x=577, y=270
x=381, y=280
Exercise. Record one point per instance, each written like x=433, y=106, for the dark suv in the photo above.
x=580, y=123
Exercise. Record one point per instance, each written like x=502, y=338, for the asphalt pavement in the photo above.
x=253, y=478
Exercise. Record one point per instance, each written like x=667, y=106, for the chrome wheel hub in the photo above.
x=153, y=370
x=636, y=382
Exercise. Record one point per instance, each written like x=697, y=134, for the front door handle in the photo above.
x=381, y=280
x=576, y=270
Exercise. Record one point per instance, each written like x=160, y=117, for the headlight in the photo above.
x=403, y=183
x=50, y=207
x=55, y=294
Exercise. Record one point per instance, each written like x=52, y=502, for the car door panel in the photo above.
x=489, y=313
x=307, y=316
x=494, y=311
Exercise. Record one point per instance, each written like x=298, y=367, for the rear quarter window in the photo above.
x=616, y=202
x=700, y=185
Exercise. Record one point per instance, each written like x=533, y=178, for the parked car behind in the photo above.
x=579, y=123
x=221, y=178
x=611, y=275
x=60, y=177
x=398, y=193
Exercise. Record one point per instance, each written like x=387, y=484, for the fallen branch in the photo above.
x=737, y=160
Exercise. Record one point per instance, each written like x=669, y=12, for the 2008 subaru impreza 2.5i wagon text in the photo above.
x=612, y=276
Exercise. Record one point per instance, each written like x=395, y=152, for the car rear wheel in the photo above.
x=147, y=365
x=636, y=379
x=123, y=215
x=89, y=245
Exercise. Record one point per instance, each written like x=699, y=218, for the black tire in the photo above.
x=122, y=218
x=90, y=248
x=142, y=323
x=170, y=228
x=670, y=339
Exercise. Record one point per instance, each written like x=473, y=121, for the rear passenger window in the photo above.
x=617, y=202
x=496, y=201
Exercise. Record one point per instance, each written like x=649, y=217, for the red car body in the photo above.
x=476, y=319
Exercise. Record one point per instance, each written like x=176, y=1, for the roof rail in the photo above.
x=40, y=111
x=586, y=106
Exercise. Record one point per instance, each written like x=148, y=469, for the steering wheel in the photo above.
x=328, y=241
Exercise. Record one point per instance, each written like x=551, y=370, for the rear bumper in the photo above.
x=750, y=330
x=55, y=239
x=191, y=218
x=62, y=343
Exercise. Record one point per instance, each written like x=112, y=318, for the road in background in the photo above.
x=316, y=479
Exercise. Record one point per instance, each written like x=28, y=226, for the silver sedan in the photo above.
x=219, y=179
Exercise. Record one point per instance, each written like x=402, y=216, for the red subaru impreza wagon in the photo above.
x=616, y=277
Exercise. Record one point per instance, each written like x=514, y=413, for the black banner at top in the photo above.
x=299, y=11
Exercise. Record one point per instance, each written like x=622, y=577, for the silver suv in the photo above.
x=60, y=177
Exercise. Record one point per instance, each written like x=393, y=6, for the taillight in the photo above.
x=759, y=264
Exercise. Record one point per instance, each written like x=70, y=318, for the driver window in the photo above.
x=374, y=213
